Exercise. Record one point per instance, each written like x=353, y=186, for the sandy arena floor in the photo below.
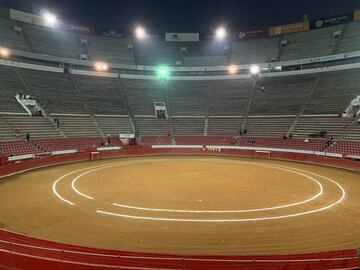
x=187, y=205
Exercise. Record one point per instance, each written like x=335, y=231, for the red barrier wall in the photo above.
x=23, y=252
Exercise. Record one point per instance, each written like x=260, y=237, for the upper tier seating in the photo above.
x=153, y=126
x=9, y=39
x=334, y=92
x=10, y=85
x=269, y=126
x=189, y=126
x=109, y=49
x=53, y=42
x=35, y=126
x=260, y=50
x=224, y=126
x=302, y=45
x=5, y=132
x=101, y=95
x=350, y=41
x=55, y=91
x=142, y=94
x=188, y=98
x=229, y=97
x=111, y=125
x=282, y=95
x=76, y=126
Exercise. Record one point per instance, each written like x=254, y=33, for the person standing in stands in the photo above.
x=28, y=137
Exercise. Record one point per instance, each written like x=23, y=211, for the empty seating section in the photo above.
x=188, y=126
x=155, y=140
x=334, y=126
x=350, y=41
x=188, y=98
x=204, y=140
x=153, y=126
x=114, y=125
x=55, y=91
x=75, y=126
x=334, y=92
x=269, y=126
x=5, y=132
x=282, y=95
x=302, y=45
x=10, y=85
x=224, y=126
x=101, y=95
x=253, y=51
x=142, y=94
x=346, y=148
x=229, y=97
x=353, y=133
x=205, y=61
x=18, y=147
x=58, y=144
x=9, y=38
x=35, y=126
x=54, y=42
x=300, y=144
x=113, y=50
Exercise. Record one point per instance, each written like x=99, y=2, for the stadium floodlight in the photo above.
x=232, y=69
x=4, y=52
x=140, y=32
x=101, y=66
x=220, y=33
x=163, y=72
x=50, y=18
x=255, y=69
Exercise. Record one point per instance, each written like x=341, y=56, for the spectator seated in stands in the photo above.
x=27, y=137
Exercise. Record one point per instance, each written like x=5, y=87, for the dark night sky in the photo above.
x=185, y=15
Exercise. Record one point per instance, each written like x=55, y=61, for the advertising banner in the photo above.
x=78, y=28
x=289, y=28
x=255, y=33
x=182, y=37
x=357, y=15
x=333, y=20
x=108, y=32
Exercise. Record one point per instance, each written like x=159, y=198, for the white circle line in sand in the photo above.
x=73, y=185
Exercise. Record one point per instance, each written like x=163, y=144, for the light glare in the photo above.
x=140, y=32
x=101, y=66
x=4, y=52
x=232, y=69
x=220, y=32
x=50, y=19
x=255, y=70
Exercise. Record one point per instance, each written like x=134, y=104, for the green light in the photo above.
x=163, y=72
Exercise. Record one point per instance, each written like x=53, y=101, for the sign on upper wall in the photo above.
x=109, y=32
x=255, y=33
x=182, y=37
x=289, y=28
x=357, y=15
x=330, y=21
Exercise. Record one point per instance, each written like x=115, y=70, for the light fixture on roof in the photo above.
x=101, y=66
x=220, y=33
x=163, y=72
x=140, y=32
x=255, y=69
x=50, y=19
x=232, y=69
x=4, y=52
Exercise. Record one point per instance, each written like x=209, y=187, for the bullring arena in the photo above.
x=138, y=150
x=187, y=204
